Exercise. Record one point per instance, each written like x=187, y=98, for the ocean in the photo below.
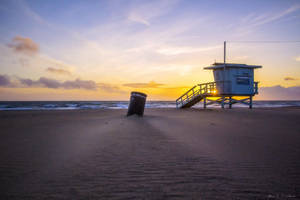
x=77, y=105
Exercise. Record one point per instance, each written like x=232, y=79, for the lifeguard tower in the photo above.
x=234, y=83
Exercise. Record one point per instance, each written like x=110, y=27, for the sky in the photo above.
x=103, y=50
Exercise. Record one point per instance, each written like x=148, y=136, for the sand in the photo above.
x=167, y=154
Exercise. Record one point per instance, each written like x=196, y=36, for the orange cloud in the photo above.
x=24, y=45
x=110, y=88
x=290, y=79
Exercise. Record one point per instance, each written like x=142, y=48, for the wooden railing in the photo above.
x=200, y=89
x=207, y=89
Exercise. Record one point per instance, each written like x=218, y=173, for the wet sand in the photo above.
x=167, y=154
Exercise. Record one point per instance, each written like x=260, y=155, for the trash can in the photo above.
x=137, y=103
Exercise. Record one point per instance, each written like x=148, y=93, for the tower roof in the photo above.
x=231, y=65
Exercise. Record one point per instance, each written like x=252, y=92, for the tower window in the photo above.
x=243, y=81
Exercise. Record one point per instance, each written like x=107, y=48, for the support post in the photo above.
x=224, y=54
x=250, y=103
x=230, y=102
x=204, y=102
x=222, y=102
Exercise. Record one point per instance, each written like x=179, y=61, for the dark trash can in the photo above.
x=137, y=103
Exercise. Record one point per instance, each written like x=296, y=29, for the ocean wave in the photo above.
x=49, y=105
x=73, y=105
x=88, y=106
x=17, y=108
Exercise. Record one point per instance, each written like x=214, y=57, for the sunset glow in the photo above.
x=103, y=50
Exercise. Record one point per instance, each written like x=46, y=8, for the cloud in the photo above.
x=251, y=21
x=297, y=58
x=29, y=12
x=24, y=62
x=26, y=48
x=4, y=80
x=43, y=82
x=49, y=83
x=143, y=13
x=263, y=19
x=290, y=79
x=110, y=88
x=24, y=45
x=151, y=84
x=58, y=71
x=139, y=19
x=27, y=82
x=184, y=50
x=279, y=93
x=80, y=84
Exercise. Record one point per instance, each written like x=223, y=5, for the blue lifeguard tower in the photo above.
x=234, y=79
x=231, y=80
x=234, y=83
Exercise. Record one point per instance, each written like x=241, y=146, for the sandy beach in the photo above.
x=167, y=154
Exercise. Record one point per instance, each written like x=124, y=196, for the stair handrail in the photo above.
x=186, y=93
x=255, y=87
x=216, y=88
x=202, y=86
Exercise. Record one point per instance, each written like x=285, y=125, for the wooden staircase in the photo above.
x=196, y=94
x=202, y=91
